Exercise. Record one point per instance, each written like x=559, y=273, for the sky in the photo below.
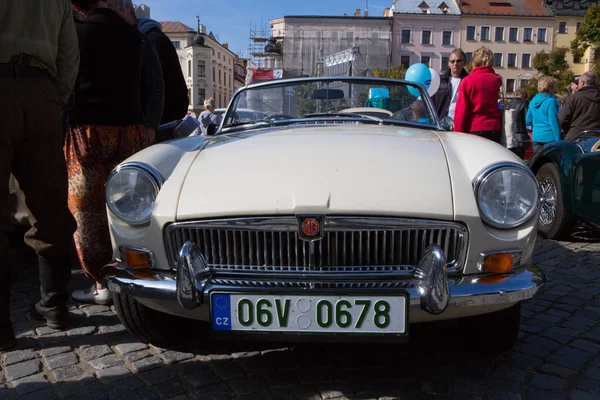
x=231, y=20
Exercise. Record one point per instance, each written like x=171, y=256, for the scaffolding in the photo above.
x=256, y=45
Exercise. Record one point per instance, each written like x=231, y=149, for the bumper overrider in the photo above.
x=429, y=291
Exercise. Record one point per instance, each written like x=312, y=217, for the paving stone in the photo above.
x=82, y=331
x=31, y=384
x=580, y=395
x=587, y=346
x=156, y=376
x=52, y=351
x=538, y=394
x=22, y=369
x=93, y=352
x=70, y=371
x=113, y=374
x=95, y=309
x=170, y=356
x=201, y=378
x=18, y=356
x=215, y=392
x=61, y=360
x=105, y=362
x=559, y=334
x=73, y=385
x=137, y=355
x=107, y=329
x=146, y=364
x=548, y=382
x=248, y=384
x=46, y=394
x=505, y=396
x=570, y=358
x=170, y=388
x=126, y=348
x=589, y=385
x=228, y=370
x=557, y=370
x=191, y=366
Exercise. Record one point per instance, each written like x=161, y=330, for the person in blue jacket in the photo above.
x=543, y=114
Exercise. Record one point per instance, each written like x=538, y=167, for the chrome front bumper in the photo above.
x=431, y=291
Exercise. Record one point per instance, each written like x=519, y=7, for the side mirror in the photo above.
x=448, y=123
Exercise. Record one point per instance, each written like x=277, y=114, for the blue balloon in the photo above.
x=418, y=73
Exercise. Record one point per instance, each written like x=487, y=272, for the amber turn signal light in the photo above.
x=498, y=263
x=137, y=259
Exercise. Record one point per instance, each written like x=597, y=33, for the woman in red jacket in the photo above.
x=477, y=109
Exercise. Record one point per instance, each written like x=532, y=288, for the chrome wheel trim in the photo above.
x=548, y=201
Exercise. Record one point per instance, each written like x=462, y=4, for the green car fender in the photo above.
x=562, y=154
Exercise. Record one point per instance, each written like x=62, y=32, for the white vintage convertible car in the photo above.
x=315, y=223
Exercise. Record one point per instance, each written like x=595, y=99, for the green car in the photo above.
x=568, y=173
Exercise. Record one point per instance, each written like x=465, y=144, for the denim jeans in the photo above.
x=536, y=146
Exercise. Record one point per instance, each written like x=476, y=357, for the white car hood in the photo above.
x=334, y=169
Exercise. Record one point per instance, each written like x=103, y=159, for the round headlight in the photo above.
x=507, y=195
x=131, y=191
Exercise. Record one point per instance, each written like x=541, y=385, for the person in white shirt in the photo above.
x=445, y=98
x=208, y=117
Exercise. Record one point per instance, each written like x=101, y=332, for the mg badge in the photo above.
x=310, y=227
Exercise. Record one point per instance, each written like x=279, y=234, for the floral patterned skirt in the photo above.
x=91, y=153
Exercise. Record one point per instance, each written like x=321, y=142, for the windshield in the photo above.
x=335, y=100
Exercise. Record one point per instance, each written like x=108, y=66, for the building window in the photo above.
x=405, y=62
x=499, y=36
x=469, y=57
x=541, y=36
x=201, y=68
x=214, y=74
x=497, y=59
x=562, y=27
x=219, y=76
x=510, y=85
x=405, y=36
x=470, y=33
x=190, y=96
x=512, y=60
x=426, y=37
x=513, y=34
x=527, y=33
x=447, y=38
x=485, y=33
x=445, y=63
x=577, y=27
x=524, y=82
x=176, y=44
x=526, y=61
x=425, y=60
x=189, y=67
x=201, y=95
x=576, y=60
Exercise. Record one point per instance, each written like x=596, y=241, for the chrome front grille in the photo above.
x=350, y=245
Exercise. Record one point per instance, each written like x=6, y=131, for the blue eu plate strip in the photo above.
x=221, y=312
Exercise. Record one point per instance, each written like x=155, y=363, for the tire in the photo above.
x=560, y=224
x=494, y=332
x=160, y=329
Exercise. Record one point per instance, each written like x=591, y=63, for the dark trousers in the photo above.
x=519, y=151
x=31, y=141
x=494, y=136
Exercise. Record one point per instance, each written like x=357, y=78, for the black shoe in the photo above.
x=7, y=340
x=55, y=319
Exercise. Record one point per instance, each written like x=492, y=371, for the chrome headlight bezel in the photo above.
x=484, y=177
x=155, y=179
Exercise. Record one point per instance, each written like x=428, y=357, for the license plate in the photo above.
x=301, y=313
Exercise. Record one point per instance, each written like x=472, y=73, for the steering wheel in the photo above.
x=596, y=146
x=278, y=117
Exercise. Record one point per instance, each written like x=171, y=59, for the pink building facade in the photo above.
x=425, y=32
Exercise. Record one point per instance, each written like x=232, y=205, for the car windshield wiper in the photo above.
x=240, y=123
x=343, y=114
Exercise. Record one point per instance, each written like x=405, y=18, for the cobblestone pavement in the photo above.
x=556, y=357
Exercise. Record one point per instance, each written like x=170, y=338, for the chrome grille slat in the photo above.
x=349, y=244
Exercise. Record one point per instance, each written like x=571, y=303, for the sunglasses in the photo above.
x=455, y=61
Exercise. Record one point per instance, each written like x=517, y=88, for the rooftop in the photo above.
x=176, y=27
x=523, y=8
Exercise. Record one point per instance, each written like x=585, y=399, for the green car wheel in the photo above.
x=555, y=221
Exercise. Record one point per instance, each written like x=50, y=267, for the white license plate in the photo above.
x=302, y=313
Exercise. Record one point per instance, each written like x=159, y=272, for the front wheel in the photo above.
x=494, y=332
x=158, y=328
x=555, y=221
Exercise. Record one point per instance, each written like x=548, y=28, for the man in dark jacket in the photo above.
x=39, y=60
x=582, y=109
x=519, y=106
x=444, y=99
x=176, y=93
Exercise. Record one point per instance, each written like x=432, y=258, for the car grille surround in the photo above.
x=357, y=246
